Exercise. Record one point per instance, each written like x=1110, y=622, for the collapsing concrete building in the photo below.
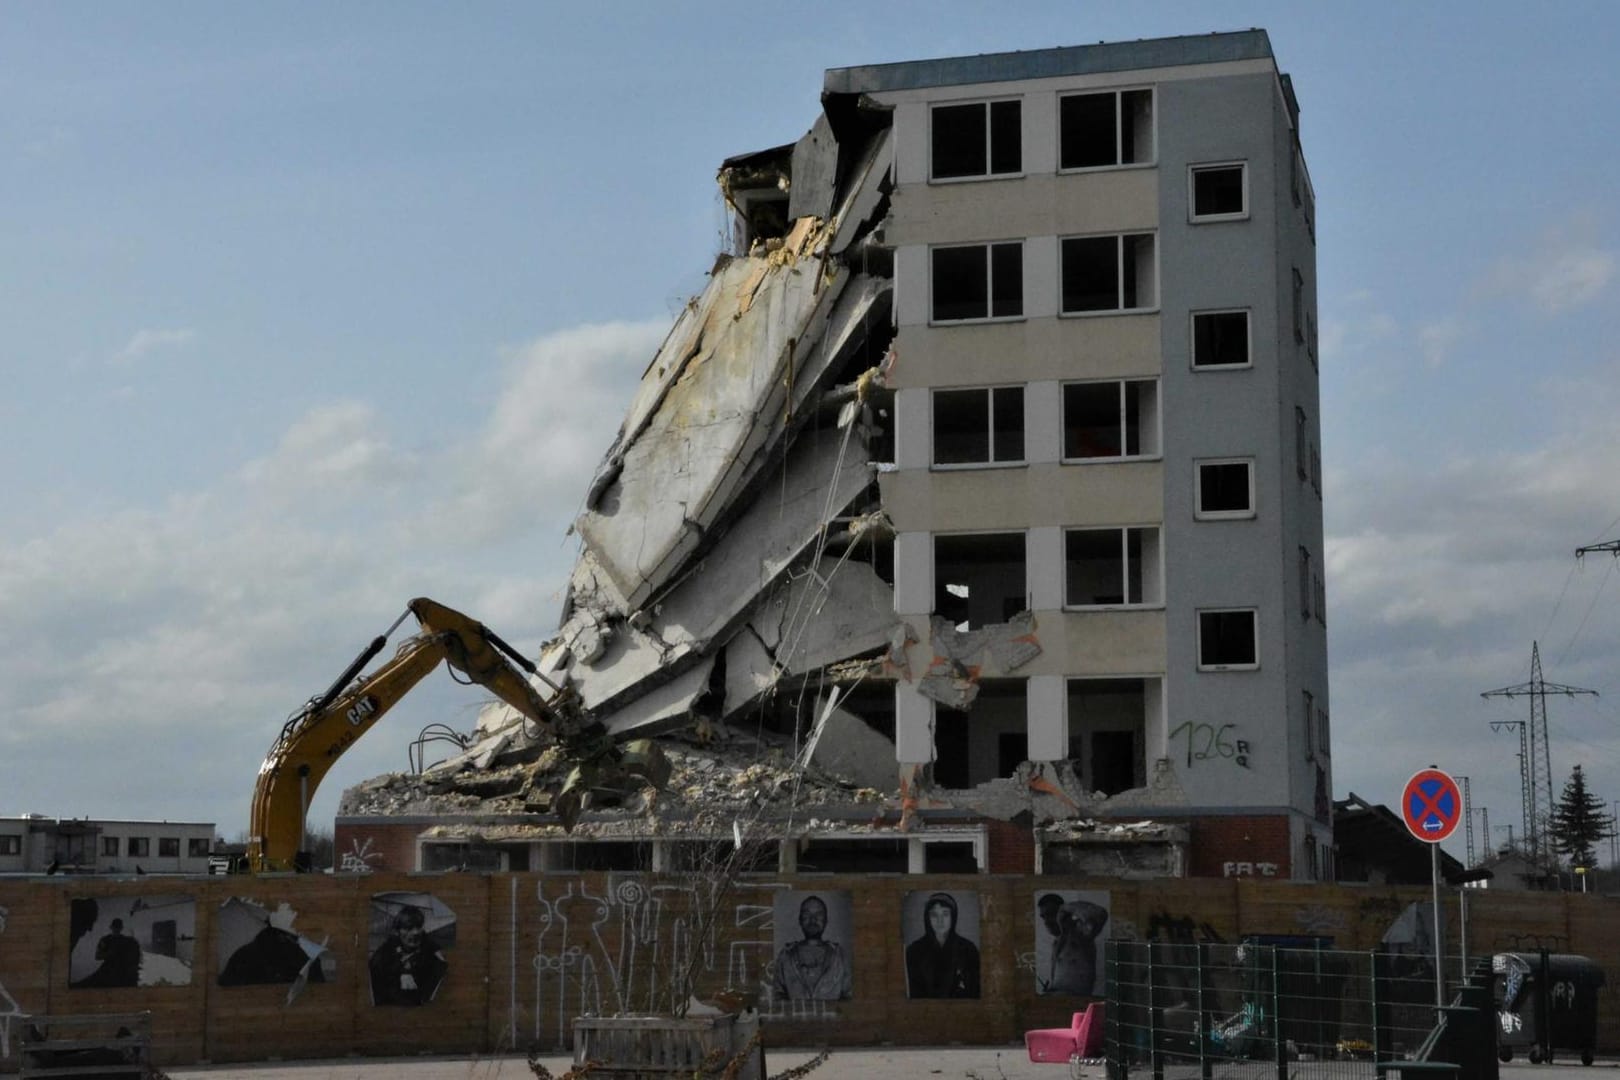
x=957, y=520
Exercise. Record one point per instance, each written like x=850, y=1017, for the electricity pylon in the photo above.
x=1535, y=759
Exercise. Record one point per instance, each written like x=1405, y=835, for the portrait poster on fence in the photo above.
x=812, y=946
x=131, y=940
x=410, y=932
x=941, y=931
x=257, y=945
x=1071, y=928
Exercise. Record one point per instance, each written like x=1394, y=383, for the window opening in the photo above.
x=197, y=848
x=823, y=856
x=1225, y=489
x=1118, y=418
x=1109, y=273
x=1299, y=306
x=978, y=281
x=109, y=845
x=1305, y=586
x=438, y=858
x=140, y=845
x=987, y=741
x=1220, y=339
x=169, y=847
x=978, y=427
x=1227, y=640
x=949, y=857
x=1107, y=719
x=1301, y=444
x=1219, y=192
x=979, y=578
x=1103, y=129
x=976, y=139
x=1310, y=721
x=11, y=844
x=1111, y=567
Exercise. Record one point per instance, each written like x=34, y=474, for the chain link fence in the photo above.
x=1257, y=1010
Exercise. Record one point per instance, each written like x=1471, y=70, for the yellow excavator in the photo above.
x=316, y=735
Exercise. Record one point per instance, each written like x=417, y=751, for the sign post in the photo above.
x=1431, y=805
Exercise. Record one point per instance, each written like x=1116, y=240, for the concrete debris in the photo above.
x=962, y=658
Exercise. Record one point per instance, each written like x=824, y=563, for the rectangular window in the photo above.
x=10, y=844
x=139, y=845
x=1299, y=306
x=978, y=281
x=1114, y=127
x=1107, y=719
x=1109, y=273
x=979, y=427
x=1316, y=469
x=1305, y=586
x=1228, y=640
x=1220, y=339
x=1301, y=444
x=1218, y=192
x=197, y=847
x=1321, y=599
x=1322, y=733
x=109, y=846
x=1108, y=420
x=980, y=138
x=979, y=578
x=1225, y=489
x=169, y=847
x=1111, y=567
x=1310, y=722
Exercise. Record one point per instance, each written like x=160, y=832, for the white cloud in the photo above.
x=338, y=449
x=144, y=342
x=1438, y=338
x=1564, y=270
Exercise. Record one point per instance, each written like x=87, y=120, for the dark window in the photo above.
x=1299, y=305
x=197, y=847
x=109, y=845
x=1301, y=444
x=1306, y=588
x=1226, y=639
x=819, y=856
x=1111, y=419
x=1113, y=761
x=979, y=577
x=949, y=857
x=139, y=845
x=1110, y=128
x=976, y=139
x=1220, y=339
x=1225, y=488
x=1218, y=191
x=978, y=282
x=1108, y=273
x=1012, y=750
x=1111, y=567
x=974, y=427
x=169, y=847
x=10, y=844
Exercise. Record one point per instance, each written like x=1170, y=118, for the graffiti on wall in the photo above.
x=1181, y=930
x=1212, y=742
x=1249, y=869
x=623, y=948
x=359, y=857
x=131, y=941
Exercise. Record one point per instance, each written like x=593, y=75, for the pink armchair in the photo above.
x=1082, y=1038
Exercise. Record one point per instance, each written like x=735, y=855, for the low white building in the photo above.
x=37, y=844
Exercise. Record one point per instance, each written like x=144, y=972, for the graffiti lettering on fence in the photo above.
x=9, y=1009
x=1249, y=869
x=1207, y=742
x=634, y=947
x=1181, y=930
x=359, y=857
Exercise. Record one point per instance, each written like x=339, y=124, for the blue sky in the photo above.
x=307, y=309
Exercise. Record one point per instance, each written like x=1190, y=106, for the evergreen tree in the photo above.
x=1578, y=822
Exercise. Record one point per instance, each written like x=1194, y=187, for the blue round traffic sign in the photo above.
x=1431, y=805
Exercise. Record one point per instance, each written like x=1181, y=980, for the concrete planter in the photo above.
x=661, y=1047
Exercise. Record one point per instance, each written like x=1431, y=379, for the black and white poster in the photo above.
x=1071, y=928
x=941, y=931
x=410, y=932
x=257, y=946
x=131, y=940
x=813, y=960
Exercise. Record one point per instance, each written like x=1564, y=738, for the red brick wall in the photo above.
x=1011, y=848
x=376, y=847
x=1250, y=844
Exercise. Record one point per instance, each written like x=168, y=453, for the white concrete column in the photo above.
x=1043, y=422
x=914, y=429
x=914, y=575
x=1044, y=567
x=1040, y=124
x=1048, y=720
x=913, y=725
x=911, y=287
x=1040, y=277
